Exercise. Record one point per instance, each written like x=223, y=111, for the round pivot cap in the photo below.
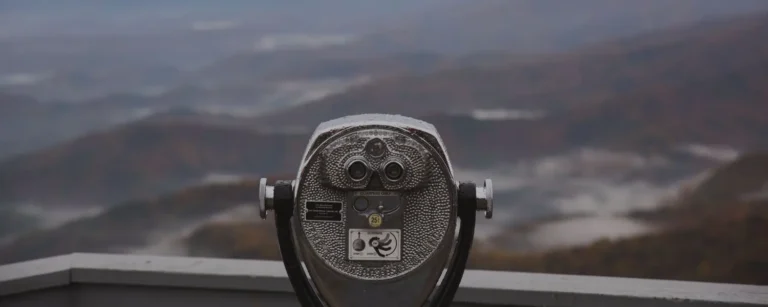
x=485, y=198
x=266, y=197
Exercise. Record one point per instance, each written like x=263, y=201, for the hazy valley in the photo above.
x=604, y=143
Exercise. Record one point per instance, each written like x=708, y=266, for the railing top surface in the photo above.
x=493, y=287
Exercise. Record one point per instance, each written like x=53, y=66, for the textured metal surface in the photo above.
x=428, y=209
x=405, y=283
x=421, y=128
x=401, y=148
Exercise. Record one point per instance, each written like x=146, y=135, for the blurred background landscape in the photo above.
x=624, y=138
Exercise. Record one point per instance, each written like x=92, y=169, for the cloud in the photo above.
x=54, y=216
x=305, y=41
x=503, y=114
x=581, y=169
x=280, y=96
x=584, y=230
x=599, y=197
x=596, y=188
x=19, y=79
x=36, y=217
x=169, y=241
x=222, y=178
x=719, y=153
x=305, y=91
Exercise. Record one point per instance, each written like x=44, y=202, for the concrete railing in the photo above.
x=101, y=280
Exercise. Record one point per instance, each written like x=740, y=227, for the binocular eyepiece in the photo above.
x=373, y=215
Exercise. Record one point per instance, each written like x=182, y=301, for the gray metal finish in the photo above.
x=266, y=198
x=425, y=216
x=35, y=274
x=401, y=157
x=426, y=130
x=484, y=197
x=96, y=280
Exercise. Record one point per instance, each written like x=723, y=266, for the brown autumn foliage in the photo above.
x=743, y=177
x=128, y=224
x=16, y=105
x=142, y=160
x=733, y=182
x=248, y=240
x=728, y=247
x=709, y=234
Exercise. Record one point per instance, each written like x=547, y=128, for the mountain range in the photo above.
x=534, y=26
x=629, y=138
x=678, y=63
x=130, y=225
x=142, y=159
x=187, y=42
x=77, y=17
x=650, y=94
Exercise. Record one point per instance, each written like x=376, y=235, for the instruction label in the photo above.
x=374, y=244
x=323, y=211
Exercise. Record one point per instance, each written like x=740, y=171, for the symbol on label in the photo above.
x=374, y=245
x=358, y=244
x=381, y=246
x=374, y=220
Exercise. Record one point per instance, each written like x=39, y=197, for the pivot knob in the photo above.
x=484, y=197
x=266, y=198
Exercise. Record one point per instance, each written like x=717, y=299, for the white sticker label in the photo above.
x=374, y=244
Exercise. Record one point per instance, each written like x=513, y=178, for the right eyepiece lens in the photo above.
x=393, y=170
x=357, y=170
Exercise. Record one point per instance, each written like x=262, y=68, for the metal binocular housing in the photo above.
x=373, y=215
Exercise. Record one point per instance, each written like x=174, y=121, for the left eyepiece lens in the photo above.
x=357, y=170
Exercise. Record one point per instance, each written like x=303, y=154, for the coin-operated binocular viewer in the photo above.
x=373, y=215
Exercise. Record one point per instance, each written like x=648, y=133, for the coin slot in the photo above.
x=382, y=202
x=361, y=204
